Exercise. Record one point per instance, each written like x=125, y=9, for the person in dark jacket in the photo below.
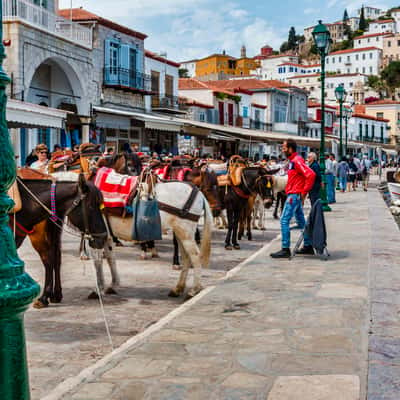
x=134, y=164
x=314, y=165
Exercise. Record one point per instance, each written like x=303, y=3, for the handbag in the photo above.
x=146, y=217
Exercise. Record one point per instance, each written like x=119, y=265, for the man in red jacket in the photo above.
x=300, y=181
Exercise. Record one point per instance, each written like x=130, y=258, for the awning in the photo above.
x=21, y=114
x=151, y=121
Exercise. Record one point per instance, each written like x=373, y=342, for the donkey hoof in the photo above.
x=110, y=290
x=263, y=229
x=85, y=257
x=38, y=304
x=236, y=247
x=228, y=247
x=93, y=296
x=56, y=299
x=176, y=267
x=173, y=293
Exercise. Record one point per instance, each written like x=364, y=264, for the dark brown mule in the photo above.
x=80, y=201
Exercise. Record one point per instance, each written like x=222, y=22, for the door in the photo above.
x=230, y=114
x=221, y=110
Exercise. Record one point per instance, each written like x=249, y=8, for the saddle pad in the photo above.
x=223, y=180
x=14, y=194
x=235, y=173
x=219, y=169
x=116, y=188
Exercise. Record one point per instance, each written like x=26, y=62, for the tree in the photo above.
x=284, y=47
x=292, y=40
x=363, y=23
x=183, y=73
x=391, y=76
x=378, y=84
x=345, y=16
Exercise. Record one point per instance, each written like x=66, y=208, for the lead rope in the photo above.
x=103, y=313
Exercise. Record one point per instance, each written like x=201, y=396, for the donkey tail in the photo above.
x=205, y=245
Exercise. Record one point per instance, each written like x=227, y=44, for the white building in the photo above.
x=268, y=69
x=382, y=26
x=354, y=23
x=367, y=60
x=371, y=12
x=164, y=83
x=190, y=67
x=287, y=70
x=370, y=39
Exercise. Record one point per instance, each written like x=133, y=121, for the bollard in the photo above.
x=17, y=289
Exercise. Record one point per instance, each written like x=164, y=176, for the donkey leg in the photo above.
x=236, y=216
x=110, y=257
x=143, y=246
x=175, y=263
x=181, y=285
x=228, y=245
x=193, y=253
x=249, y=234
x=98, y=265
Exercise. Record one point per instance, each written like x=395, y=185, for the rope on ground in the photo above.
x=102, y=310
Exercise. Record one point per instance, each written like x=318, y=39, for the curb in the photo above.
x=86, y=374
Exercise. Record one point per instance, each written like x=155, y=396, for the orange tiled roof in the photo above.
x=80, y=14
x=373, y=35
x=355, y=50
x=382, y=21
x=382, y=102
x=371, y=117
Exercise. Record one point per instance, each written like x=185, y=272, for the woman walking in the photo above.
x=342, y=171
x=352, y=175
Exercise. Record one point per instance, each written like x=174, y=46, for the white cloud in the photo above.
x=189, y=29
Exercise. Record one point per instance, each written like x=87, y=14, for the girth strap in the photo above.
x=185, y=211
x=53, y=202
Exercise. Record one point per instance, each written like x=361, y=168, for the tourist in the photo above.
x=358, y=177
x=42, y=162
x=353, y=174
x=365, y=171
x=342, y=173
x=316, y=189
x=330, y=173
x=31, y=158
x=300, y=181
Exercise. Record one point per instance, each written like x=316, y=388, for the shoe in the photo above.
x=284, y=253
x=306, y=250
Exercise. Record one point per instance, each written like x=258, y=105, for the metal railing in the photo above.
x=39, y=17
x=167, y=101
x=127, y=78
x=259, y=125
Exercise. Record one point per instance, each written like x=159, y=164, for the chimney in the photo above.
x=243, y=52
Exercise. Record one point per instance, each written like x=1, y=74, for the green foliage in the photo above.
x=183, y=73
x=391, y=75
x=292, y=42
x=345, y=16
x=363, y=23
x=284, y=47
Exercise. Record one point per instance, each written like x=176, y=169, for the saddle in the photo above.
x=236, y=166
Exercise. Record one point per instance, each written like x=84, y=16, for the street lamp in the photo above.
x=348, y=113
x=340, y=94
x=17, y=289
x=322, y=40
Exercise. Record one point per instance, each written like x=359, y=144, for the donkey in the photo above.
x=75, y=198
x=254, y=180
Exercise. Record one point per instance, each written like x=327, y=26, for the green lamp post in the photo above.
x=348, y=113
x=322, y=39
x=340, y=94
x=17, y=289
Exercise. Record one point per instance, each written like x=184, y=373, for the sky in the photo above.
x=189, y=29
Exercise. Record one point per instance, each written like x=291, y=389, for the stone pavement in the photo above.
x=276, y=330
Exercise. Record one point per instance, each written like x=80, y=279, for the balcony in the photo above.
x=168, y=103
x=259, y=125
x=127, y=79
x=40, y=18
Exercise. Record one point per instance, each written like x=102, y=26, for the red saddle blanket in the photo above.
x=116, y=188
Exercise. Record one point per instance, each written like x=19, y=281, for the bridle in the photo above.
x=80, y=201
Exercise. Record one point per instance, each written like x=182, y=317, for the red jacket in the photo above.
x=300, y=177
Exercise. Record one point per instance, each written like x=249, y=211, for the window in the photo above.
x=245, y=112
x=371, y=55
x=373, y=131
x=382, y=134
x=360, y=130
x=363, y=70
x=357, y=57
x=368, y=40
x=333, y=60
x=202, y=117
x=348, y=58
x=351, y=84
x=357, y=70
x=371, y=70
x=389, y=43
x=327, y=60
x=359, y=42
x=340, y=59
x=366, y=131
x=379, y=115
x=363, y=56
x=169, y=85
x=398, y=116
x=348, y=70
x=398, y=43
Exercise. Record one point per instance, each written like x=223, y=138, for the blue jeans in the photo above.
x=293, y=208
x=342, y=182
x=330, y=188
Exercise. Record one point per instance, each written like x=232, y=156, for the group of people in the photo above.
x=353, y=171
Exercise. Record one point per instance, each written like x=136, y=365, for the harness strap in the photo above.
x=190, y=200
x=240, y=192
x=53, y=201
x=178, y=212
x=20, y=227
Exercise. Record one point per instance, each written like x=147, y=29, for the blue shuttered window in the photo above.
x=123, y=65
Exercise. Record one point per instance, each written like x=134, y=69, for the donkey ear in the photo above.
x=83, y=184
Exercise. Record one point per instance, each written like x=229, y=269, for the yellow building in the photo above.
x=222, y=66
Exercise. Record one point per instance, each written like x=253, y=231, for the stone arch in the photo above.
x=72, y=75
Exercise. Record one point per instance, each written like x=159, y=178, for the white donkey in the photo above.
x=174, y=195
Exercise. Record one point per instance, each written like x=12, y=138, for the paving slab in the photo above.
x=275, y=329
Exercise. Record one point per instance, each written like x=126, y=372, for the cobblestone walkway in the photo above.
x=276, y=330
